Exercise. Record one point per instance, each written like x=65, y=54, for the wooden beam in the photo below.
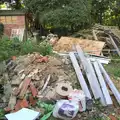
x=79, y=75
x=114, y=44
x=88, y=68
x=110, y=83
x=102, y=84
x=94, y=35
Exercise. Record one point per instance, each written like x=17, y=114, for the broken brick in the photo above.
x=7, y=109
x=112, y=117
x=24, y=88
x=33, y=90
x=24, y=104
x=18, y=106
x=42, y=59
x=32, y=101
x=13, y=57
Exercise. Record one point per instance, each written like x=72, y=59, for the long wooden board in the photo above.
x=110, y=83
x=79, y=75
x=91, y=76
x=102, y=84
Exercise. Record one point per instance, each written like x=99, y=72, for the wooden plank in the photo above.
x=91, y=76
x=110, y=83
x=94, y=35
x=79, y=75
x=33, y=89
x=114, y=44
x=46, y=83
x=102, y=84
x=12, y=102
x=24, y=88
x=102, y=59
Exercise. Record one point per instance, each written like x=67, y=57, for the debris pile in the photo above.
x=49, y=85
x=110, y=35
x=34, y=76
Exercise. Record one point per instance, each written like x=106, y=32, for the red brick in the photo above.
x=7, y=109
x=42, y=59
x=33, y=90
x=112, y=117
x=24, y=104
x=32, y=101
x=20, y=23
x=18, y=106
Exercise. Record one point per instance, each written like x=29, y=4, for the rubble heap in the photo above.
x=33, y=76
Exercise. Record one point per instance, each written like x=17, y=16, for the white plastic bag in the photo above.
x=78, y=96
x=65, y=109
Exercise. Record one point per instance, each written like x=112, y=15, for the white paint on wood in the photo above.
x=46, y=83
x=91, y=76
x=102, y=84
x=19, y=33
x=79, y=75
x=110, y=83
x=104, y=60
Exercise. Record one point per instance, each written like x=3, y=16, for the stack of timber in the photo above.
x=111, y=36
x=97, y=78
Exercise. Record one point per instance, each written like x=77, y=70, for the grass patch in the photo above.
x=113, y=68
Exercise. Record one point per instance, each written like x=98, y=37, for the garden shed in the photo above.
x=12, y=19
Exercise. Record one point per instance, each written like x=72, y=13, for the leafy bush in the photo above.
x=14, y=47
x=45, y=48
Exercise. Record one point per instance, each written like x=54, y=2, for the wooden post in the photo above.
x=110, y=83
x=79, y=75
x=102, y=84
x=91, y=76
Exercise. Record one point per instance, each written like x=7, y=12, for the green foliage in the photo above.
x=8, y=48
x=60, y=13
x=113, y=68
x=45, y=48
x=112, y=15
x=14, y=47
x=2, y=114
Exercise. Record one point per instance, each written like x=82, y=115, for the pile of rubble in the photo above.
x=32, y=76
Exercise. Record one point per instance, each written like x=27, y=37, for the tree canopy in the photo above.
x=60, y=13
x=14, y=4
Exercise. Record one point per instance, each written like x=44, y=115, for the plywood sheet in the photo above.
x=66, y=44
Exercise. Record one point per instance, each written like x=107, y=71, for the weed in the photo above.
x=14, y=47
x=45, y=48
x=113, y=68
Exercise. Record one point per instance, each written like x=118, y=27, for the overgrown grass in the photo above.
x=14, y=47
x=114, y=67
